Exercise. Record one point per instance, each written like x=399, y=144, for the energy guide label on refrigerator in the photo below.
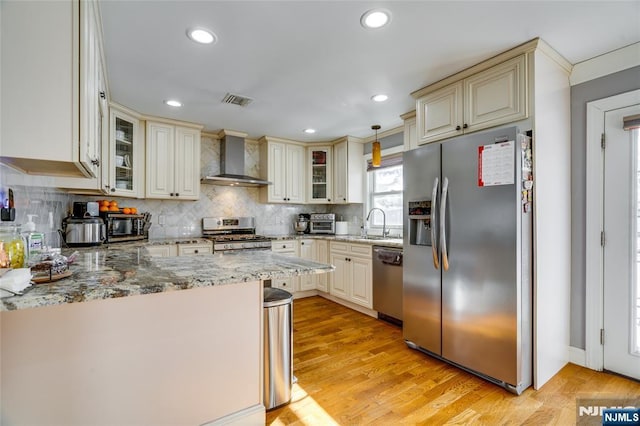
x=496, y=164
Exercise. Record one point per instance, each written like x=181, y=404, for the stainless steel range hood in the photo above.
x=232, y=165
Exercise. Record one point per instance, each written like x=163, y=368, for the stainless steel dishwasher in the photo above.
x=387, y=283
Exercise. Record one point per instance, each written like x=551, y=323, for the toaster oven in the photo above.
x=124, y=227
x=322, y=223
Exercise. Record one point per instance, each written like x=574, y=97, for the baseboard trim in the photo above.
x=577, y=356
x=350, y=305
x=254, y=415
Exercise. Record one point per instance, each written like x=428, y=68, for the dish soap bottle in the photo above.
x=35, y=240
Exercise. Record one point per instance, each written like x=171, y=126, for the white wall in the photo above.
x=598, y=78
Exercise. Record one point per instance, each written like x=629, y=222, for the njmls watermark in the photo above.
x=608, y=411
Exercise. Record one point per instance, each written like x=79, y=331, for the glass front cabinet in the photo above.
x=319, y=161
x=126, y=154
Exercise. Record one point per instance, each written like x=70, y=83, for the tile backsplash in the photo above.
x=34, y=195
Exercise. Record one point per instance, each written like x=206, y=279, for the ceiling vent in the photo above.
x=230, y=98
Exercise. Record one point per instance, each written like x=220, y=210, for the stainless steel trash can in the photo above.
x=278, y=347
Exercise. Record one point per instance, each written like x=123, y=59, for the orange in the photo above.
x=126, y=210
x=113, y=203
x=103, y=203
x=104, y=208
x=134, y=210
x=114, y=208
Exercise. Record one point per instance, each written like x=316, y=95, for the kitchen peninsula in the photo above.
x=132, y=339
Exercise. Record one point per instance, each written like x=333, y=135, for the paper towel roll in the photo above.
x=342, y=228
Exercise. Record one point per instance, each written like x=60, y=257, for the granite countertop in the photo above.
x=373, y=240
x=127, y=270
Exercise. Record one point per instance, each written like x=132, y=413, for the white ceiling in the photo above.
x=311, y=64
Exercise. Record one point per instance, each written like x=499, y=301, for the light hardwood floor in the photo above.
x=355, y=370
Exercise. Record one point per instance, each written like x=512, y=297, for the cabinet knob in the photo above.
x=284, y=246
x=344, y=199
x=95, y=162
x=458, y=127
x=328, y=199
x=195, y=251
x=302, y=243
x=103, y=95
x=113, y=190
x=177, y=194
x=465, y=126
x=172, y=194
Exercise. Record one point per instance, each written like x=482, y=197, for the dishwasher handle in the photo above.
x=388, y=256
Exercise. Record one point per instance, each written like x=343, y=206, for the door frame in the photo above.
x=594, y=270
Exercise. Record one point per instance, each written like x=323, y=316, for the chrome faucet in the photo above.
x=385, y=231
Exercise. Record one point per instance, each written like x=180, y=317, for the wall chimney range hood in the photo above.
x=232, y=165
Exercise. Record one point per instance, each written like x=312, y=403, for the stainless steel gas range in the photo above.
x=231, y=234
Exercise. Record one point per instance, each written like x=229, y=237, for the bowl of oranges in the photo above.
x=112, y=207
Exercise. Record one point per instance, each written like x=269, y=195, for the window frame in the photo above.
x=368, y=192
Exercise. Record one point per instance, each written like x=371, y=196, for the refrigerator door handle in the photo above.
x=434, y=243
x=443, y=231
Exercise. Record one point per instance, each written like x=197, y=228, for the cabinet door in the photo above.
x=307, y=251
x=125, y=155
x=339, y=282
x=361, y=282
x=319, y=188
x=187, y=163
x=348, y=176
x=497, y=95
x=410, y=134
x=295, y=173
x=322, y=256
x=168, y=250
x=90, y=90
x=160, y=161
x=340, y=172
x=439, y=114
x=277, y=172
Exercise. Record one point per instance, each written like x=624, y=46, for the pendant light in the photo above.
x=375, y=148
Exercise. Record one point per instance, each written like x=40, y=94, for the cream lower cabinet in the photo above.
x=322, y=256
x=352, y=279
x=286, y=248
x=491, y=97
x=308, y=250
x=172, y=250
x=172, y=161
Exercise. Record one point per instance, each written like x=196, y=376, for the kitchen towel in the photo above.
x=15, y=280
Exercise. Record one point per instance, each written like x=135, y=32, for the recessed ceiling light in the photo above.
x=379, y=98
x=201, y=35
x=309, y=131
x=173, y=103
x=375, y=18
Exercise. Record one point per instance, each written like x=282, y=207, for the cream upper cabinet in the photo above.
x=125, y=157
x=283, y=164
x=439, y=114
x=319, y=174
x=52, y=128
x=348, y=172
x=491, y=97
x=410, y=133
x=172, y=161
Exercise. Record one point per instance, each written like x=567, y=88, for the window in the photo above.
x=385, y=192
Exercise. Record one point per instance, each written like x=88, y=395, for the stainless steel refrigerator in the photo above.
x=467, y=254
